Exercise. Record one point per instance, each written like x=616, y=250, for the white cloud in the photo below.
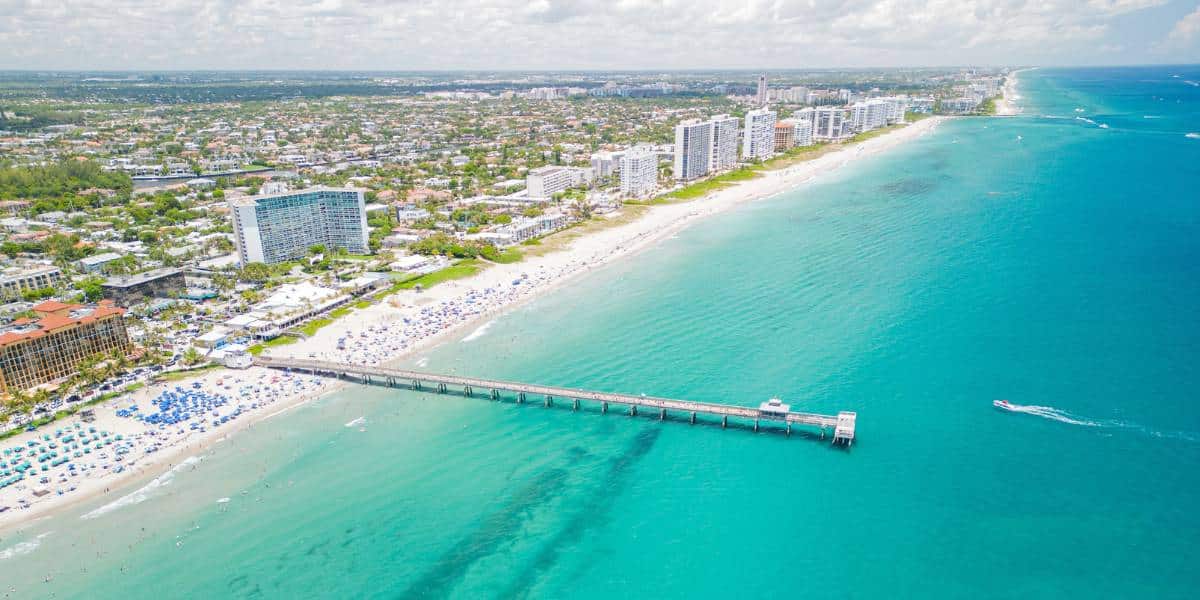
x=448, y=34
x=1186, y=29
x=1116, y=7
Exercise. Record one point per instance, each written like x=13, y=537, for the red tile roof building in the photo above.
x=51, y=346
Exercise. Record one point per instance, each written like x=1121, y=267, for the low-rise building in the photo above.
x=544, y=182
x=127, y=290
x=18, y=280
x=93, y=263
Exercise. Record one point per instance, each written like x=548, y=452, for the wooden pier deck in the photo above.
x=841, y=425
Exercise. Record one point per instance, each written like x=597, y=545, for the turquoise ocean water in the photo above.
x=1043, y=259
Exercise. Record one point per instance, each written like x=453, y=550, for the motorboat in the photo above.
x=1003, y=405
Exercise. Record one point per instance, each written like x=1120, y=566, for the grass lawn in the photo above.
x=459, y=270
x=339, y=312
x=311, y=328
x=509, y=255
x=703, y=188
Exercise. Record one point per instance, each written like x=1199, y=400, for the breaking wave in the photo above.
x=478, y=333
x=23, y=548
x=145, y=492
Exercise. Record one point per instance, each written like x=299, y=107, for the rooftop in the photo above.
x=253, y=200
x=53, y=316
x=122, y=281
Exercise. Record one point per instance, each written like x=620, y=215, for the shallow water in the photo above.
x=1059, y=271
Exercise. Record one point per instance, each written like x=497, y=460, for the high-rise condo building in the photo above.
x=693, y=148
x=803, y=135
x=282, y=227
x=724, y=143
x=761, y=97
x=50, y=345
x=827, y=123
x=639, y=173
x=758, y=141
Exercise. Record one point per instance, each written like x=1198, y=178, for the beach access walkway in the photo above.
x=841, y=426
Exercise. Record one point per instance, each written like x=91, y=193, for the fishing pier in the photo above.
x=841, y=426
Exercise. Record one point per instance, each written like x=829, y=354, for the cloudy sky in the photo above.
x=590, y=34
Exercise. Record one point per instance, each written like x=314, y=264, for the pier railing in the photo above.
x=841, y=426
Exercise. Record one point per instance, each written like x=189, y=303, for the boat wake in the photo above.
x=1062, y=416
x=357, y=422
x=1049, y=412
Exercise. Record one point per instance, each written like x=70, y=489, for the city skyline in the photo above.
x=628, y=35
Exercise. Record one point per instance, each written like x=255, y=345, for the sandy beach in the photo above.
x=1008, y=104
x=174, y=423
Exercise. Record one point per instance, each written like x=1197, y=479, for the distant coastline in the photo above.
x=1008, y=104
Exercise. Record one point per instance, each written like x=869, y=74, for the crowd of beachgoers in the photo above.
x=127, y=434
x=160, y=426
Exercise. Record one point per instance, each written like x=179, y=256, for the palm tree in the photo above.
x=191, y=356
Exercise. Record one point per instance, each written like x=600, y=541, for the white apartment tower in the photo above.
x=693, y=147
x=758, y=140
x=639, y=173
x=804, y=133
x=724, y=143
x=282, y=227
x=827, y=123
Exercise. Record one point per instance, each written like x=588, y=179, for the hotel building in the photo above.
x=639, y=173
x=282, y=227
x=759, y=135
x=39, y=350
x=785, y=135
x=693, y=146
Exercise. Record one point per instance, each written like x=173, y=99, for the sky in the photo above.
x=398, y=35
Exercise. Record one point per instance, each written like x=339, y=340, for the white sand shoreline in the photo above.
x=409, y=323
x=1008, y=104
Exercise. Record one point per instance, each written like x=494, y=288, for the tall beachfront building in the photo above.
x=785, y=135
x=639, y=173
x=761, y=97
x=828, y=123
x=282, y=227
x=51, y=344
x=724, y=143
x=758, y=141
x=803, y=135
x=693, y=148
